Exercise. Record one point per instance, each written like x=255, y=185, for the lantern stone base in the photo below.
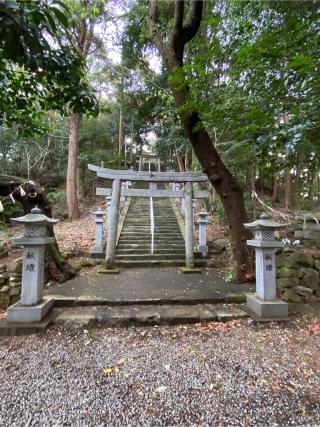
x=32, y=313
x=203, y=249
x=96, y=251
x=267, y=310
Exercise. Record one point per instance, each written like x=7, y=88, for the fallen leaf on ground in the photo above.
x=108, y=371
x=121, y=361
x=58, y=365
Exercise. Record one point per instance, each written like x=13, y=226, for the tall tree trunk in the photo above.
x=72, y=196
x=121, y=132
x=253, y=191
x=180, y=163
x=228, y=189
x=275, y=190
x=81, y=179
x=287, y=182
x=187, y=161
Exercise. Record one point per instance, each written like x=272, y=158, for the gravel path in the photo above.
x=234, y=374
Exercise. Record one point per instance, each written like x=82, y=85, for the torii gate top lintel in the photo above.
x=129, y=175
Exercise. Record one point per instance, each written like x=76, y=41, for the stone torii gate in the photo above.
x=187, y=178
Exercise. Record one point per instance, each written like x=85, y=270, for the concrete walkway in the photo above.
x=150, y=286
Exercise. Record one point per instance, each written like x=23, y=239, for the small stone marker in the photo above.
x=32, y=307
x=98, y=247
x=264, y=303
x=203, y=221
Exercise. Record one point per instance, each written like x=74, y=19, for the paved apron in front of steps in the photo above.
x=155, y=285
x=102, y=316
x=147, y=296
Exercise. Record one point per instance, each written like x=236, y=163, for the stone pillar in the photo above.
x=159, y=165
x=183, y=207
x=152, y=185
x=32, y=307
x=113, y=223
x=264, y=304
x=203, y=221
x=194, y=205
x=189, y=225
x=32, y=275
x=177, y=188
x=123, y=187
x=108, y=203
x=98, y=247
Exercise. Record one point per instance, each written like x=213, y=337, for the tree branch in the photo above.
x=178, y=15
x=193, y=20
x=177, y=36
x=151, y=20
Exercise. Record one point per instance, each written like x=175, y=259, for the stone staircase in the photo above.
x=134, y=246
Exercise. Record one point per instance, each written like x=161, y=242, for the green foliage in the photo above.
x=10, y=210
x=37, y=75
x=56, y=196
x=228, y=277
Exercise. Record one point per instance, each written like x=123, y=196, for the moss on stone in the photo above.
x=109, y=271
x=186, y=270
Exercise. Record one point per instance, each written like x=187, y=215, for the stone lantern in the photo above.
x=203, y=221
x=108, y=203
x=264, y=303
x=32, y=307
x=98, y=247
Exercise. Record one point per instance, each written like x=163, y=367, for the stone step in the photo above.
x=146, y=250
x=104, y=316
x=157, y=246
x=171, y=235
x=147, y=241
x=147, y=228
x=146, y=237
x=160, y=263
x=148, y=257
x=146, y=246
x=161, y=244
x=146, y=224
x=147, y=214
x=125, y=263
x=160, y=220
x=146, y=210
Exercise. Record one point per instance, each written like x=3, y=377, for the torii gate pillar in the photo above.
x=189, y=225
x=113, y=223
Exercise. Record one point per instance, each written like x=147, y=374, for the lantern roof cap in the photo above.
x=264, y=222
x=36, y=217
x=99, y=211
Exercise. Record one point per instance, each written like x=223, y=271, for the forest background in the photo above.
x=86, y=82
